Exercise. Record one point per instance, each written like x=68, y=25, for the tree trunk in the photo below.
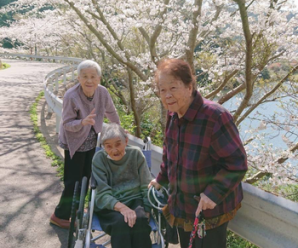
x=163, y=117
x=133, y=103
x=193, y=34
x=248, y=58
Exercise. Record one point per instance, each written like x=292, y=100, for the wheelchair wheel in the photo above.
x=77, y=214
x=71, y=231
x=80, y=214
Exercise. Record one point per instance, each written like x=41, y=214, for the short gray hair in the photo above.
x=111, y=131
x=89, y=64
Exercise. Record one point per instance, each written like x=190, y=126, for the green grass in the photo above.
x=288, y=191
x=234, y=241
x=4, y=66
x=56, y=160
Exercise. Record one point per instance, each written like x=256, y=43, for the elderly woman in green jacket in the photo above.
x=121, y=202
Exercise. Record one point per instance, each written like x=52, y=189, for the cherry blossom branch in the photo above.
x=109, y=27
x=237, y=122
x=248, y=59
x=260, y=174
x=155, y=35
x=100, y=37
x=193, y=33
x=205, y=33
x=231, y=93
x=222, y=85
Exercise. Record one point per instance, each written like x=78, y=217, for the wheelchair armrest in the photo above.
x=93, y=183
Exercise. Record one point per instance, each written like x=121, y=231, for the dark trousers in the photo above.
x=138, y=236
x=215, y=238
x=75, y=169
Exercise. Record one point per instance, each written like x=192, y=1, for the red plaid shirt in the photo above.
x=202, y=152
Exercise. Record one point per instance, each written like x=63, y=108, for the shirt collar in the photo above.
x=193, y=109
x=83, y=96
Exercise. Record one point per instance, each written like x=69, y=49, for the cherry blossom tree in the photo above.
x=228, y=43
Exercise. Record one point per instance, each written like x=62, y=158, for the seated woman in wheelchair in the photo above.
x=121, y=202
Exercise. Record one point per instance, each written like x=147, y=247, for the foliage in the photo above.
x=127, y=121
x=231, y=45
x=7, y=17
x=5, y=2
x=265, y=74
x=4, y=66
x=56, y=160
x=289, y=191
x=234, y=241
x=154, y=131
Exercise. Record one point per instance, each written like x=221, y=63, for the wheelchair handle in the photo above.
x=155, y=192
x=93, y=183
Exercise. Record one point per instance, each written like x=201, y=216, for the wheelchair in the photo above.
x=84, y=224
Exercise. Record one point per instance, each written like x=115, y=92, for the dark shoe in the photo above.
x=59, y=222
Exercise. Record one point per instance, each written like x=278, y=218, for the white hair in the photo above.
x=89, y=64
x=111, y=131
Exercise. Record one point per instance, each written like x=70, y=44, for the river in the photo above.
x=270, y=111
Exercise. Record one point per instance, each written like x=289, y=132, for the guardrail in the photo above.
x=55, y=59
x=264, y=219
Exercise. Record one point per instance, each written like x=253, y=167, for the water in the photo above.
x=273, y=136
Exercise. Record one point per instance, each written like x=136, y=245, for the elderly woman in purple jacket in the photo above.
x=84, y=107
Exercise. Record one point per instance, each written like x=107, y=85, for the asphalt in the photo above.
x=29, y=186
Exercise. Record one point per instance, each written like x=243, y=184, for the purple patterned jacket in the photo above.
x=76, y=107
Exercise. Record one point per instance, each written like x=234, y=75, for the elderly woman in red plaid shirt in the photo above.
x=204, y=159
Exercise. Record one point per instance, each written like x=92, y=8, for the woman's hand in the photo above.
x=130, y=215
x=205, y=203
x=89, y=120
x=155, y=184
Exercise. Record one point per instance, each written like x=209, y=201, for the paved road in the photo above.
x=29, y=187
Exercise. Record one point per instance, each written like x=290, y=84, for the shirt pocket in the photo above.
x=196, y=159
x=197, y=171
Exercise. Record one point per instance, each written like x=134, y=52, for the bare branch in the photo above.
x=276, y=56
x=249, y=4
x=109, y=27
x=204, y=34
x=155, y=35
x=246, y=142
x=256, y=177
x=231, y=93
x=259, y=175
x=133, y=103
x=248, y=58
x=284, y=158
x=145, y=35
x=265, y=96
x=193, y=34
x=222, y=85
